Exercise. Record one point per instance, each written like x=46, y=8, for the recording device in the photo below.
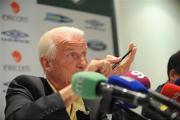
x=92, y=85
x=170, y=113
x=172, y=91
x=158, y=111
x=128, y=83
x=146, y=82
x=139, y=76
x=116, y=64
x=164, y=100
x=155, y=105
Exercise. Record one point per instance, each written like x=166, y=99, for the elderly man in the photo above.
x=62, y=52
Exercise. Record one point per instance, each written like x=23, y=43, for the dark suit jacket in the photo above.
x=30, y=97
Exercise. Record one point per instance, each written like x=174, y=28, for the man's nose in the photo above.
x=82, y=62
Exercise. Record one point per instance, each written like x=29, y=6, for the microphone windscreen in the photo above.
x=172, y=91
x=85, y=83
x=177, y=82
x=128, y=83
x=139, y=77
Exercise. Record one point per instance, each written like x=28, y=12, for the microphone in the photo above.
x=127, y=82
x=85, y=84
x=93, y=85
x=177, y=82
x=139, y=76
x=158, y=111
x=150, y=93
x=154, y=107
x=172, y=91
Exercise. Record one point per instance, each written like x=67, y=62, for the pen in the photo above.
x=116, y=64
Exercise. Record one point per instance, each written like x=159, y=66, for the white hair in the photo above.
x=47, y=44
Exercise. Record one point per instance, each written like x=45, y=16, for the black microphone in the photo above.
x=169, y=112
x=158, y=111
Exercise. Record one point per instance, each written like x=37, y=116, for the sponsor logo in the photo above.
x=57, y=18
x=18, y=68
x=95, y=24
x=15, y=7
x=16, y=55
x=96, y=45
x=14, y=36
x=7, y=17
x=17, y=58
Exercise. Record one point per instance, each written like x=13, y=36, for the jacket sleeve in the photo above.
x=21, y=103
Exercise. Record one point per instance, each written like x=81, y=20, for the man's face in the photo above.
x=70, y=58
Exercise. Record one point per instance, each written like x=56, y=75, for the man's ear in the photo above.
x=46, y=64
x=172, y=76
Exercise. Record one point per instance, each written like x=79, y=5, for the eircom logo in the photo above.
x=15, y=7
x=16, y=55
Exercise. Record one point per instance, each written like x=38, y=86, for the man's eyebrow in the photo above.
x=70, y=49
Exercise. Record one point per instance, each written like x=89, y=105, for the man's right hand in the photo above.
x=101, y=66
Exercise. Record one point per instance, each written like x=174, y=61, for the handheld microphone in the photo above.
x=139, y=76
x=127, y=82
x=85, y=84
x=172, y=91
x=92, y=85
